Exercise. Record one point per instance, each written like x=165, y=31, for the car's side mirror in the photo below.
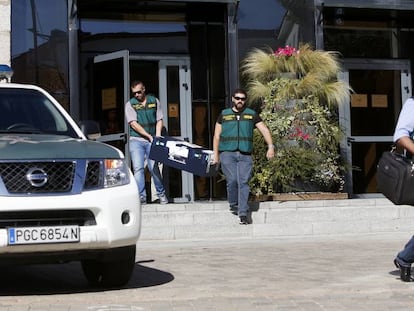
x=90, y=129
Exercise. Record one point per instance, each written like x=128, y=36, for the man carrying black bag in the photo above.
x=402, y=138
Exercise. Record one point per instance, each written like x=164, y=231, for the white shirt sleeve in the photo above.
x=130, y=113
x=160, y=115
x=405, y=124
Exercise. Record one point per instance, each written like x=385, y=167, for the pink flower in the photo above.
x=299, y=134
x=286, y=51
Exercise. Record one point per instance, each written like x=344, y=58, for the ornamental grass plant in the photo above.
x=300, y=95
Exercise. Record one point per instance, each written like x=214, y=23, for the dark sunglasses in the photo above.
x=137, y=92
x=239, y=98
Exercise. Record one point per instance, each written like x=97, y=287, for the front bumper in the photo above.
x=107, y=205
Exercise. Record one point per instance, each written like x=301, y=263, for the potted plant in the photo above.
x=299, y=94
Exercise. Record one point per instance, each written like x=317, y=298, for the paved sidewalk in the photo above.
x=347, y=272
x=318, y=273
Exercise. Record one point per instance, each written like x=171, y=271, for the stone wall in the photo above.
x=5, y=31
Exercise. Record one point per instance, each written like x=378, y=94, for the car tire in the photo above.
x=110, y=273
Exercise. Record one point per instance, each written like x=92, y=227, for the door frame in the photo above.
x=124, y=55
x=185, y=82
x=183, y=61
x=404, y=67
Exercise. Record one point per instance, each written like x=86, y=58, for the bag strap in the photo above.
x=402, y=151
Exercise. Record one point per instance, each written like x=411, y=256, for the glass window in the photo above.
x=199, y=64
x=39, y=45
x=274, y=23
x=143, y=37
x=96, y=26
x=350, y=31
x=173, y=101
x=144, y=27
x=380, y=91
x=29, y=111
x=365, y=157
x=259, y=24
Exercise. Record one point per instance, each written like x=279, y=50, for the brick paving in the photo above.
x=348, y=272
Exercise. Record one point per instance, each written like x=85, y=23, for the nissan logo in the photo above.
x=37, y=177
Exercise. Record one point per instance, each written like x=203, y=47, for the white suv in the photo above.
x=63, y=197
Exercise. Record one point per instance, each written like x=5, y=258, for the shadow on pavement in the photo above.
x=67, y=279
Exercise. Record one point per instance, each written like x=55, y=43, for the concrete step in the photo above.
x=213, y=220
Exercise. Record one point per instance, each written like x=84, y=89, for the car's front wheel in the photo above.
x=110, y=273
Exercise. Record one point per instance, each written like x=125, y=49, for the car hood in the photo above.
x=30, y=146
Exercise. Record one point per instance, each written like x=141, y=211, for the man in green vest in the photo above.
x=233, y=146
x=144, y=116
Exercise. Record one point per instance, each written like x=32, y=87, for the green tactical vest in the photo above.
x=146, y=115
x=237, y=134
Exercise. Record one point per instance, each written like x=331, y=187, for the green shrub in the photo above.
x=300, y=110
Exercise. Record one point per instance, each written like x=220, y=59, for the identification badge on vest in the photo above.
x=230, y=117
x=138, y=106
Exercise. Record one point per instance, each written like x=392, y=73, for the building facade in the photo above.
x=188, y=53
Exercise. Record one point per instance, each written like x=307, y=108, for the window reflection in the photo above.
x=93, y=26
x=266, y=16
x=39, y=45
x=138, y=36
x=34, y=24
x=259, y=25
x=350, y=31
x=275, y=23
x=142, y=27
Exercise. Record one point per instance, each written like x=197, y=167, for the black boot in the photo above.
x=405, y=272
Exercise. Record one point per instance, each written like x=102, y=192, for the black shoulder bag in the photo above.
x=395, y=177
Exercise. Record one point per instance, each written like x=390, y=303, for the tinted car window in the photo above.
x=23, y=110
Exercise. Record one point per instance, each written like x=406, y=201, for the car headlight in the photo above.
x=115, y=173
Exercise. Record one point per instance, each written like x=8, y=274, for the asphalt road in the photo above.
x=316, y=273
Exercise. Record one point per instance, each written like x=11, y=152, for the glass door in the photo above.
x=380, y=87
x=169, y=79
x=175, y=96
x=110, y=83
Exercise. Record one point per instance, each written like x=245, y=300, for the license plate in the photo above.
x=40, y=235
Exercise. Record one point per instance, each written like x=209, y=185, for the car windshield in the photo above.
x=30, y=111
